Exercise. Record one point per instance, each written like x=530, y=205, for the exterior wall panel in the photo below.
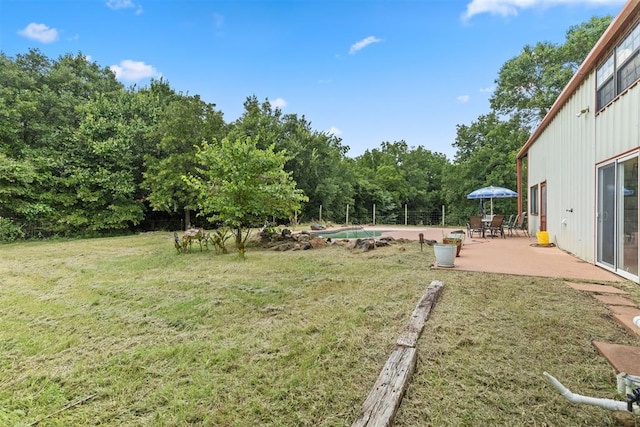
x=563, y=156
x=618, y=126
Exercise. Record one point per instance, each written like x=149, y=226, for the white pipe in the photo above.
x=612, y=405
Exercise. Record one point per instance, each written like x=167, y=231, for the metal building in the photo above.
x=582, y=160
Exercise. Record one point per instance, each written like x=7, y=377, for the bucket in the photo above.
x=460, y=236
x=445, y=254
x=543, y=238
x=453, y=241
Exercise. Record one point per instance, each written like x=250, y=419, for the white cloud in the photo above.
x=124, y=4
x=279, y=103
x=120, y=4
x=334, y=131
x=512, y=7
x=134, y=70
x=39, y=32
x=463, y=98
x=363, y=43
x=486, y=89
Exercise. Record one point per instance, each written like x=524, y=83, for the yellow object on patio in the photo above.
x=543, y=237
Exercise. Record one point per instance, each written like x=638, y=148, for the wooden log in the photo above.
x=380, y=407
x=384, y=399
x=420, y=315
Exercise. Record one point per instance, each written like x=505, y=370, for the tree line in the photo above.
x=81, y=154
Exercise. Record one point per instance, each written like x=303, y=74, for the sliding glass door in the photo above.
x=617, y=216
x=606, y=215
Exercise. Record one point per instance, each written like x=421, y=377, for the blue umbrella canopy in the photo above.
x=491, y=192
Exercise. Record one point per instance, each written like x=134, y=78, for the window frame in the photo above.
x=610, y=74
x=534, y=196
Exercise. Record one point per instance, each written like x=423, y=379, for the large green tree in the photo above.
x=182, y=125
x=243, y=186
x=526, y=88
x=316, y=160
x=486, y=156
x=102, y=166
x=41, y=111
x=396, y=175
x=528, y=84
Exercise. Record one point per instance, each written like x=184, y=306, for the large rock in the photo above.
x=317, y=242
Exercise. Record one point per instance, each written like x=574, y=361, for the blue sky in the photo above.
x=366, y=70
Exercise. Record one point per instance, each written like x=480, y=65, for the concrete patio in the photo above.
x=516, y=254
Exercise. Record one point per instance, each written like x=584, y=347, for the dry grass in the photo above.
x=286, y=339
x=483, y=352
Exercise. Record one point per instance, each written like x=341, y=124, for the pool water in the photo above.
x=349, y=234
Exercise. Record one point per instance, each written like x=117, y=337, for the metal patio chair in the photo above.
x=475, y=225
x=496, y=227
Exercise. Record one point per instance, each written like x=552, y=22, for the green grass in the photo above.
x=150, y=337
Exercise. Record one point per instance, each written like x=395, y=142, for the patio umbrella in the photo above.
x=491, y=192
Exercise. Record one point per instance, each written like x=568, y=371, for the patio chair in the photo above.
x=475, y=225
x=521, y=224
x=511, y=224
x=496, y=227
x=508, y=222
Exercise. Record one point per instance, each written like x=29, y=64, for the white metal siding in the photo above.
x=565, y=156
x=618, y=126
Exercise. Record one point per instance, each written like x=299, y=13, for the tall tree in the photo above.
x=528, y=84
x=486, y=156
x=103, y=165
x=316, y=160
x=425, y=171
x=40, y=112
x=243, y=186
x=182, y=126
x=396, y=175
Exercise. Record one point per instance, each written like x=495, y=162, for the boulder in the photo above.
x=317, y=242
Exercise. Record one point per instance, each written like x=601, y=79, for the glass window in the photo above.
x=606, y=93
x=605, y=72
x=628, y=46
x=620, y=70
x=533, y=200
x=629, y=72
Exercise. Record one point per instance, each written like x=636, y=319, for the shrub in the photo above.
x=9, y=231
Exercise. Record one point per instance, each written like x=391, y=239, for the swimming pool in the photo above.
x=350, y=233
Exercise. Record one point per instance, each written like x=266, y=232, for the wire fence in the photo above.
x=404, y=216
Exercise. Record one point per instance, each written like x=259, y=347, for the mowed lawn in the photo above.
x=124, y=331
